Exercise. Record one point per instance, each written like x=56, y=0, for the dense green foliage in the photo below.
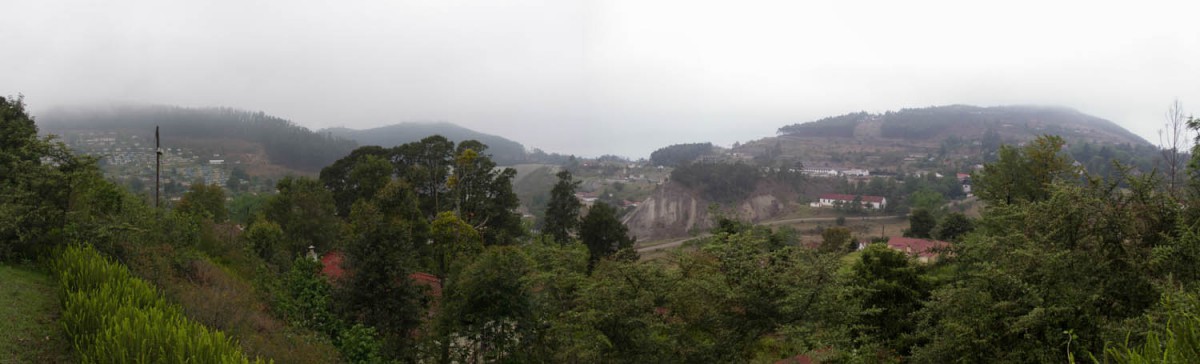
x=445, y=177
x=305, y=212
x=680, y=154
x=837, y=239
x=891, y=288
x=42, y=187
x=953, y=226
x=1024, y=174
x=204, y=200
x=285, y=142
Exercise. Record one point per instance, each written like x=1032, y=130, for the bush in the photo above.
x=113, y=317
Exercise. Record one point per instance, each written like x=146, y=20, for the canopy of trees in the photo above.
x=503, y=151
x=680, y=154
x=444, y=177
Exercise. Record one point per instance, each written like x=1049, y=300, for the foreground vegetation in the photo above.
x=436, y=267
x=30, y=332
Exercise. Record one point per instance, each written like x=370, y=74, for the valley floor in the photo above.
x=29, y=310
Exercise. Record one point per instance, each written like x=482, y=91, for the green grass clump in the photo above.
x=113, y=317
x=29, y=330
x=1179, y=342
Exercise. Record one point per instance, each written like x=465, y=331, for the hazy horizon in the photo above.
x=611, y=77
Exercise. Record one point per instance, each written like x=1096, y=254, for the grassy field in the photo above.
x=29, y=328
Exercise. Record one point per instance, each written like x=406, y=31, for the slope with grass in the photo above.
x=29, y=330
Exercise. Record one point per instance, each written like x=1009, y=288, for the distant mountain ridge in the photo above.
x=940, y=122
x=504, y=151
x=284, y=142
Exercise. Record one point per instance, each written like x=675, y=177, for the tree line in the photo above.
x=1062, y=266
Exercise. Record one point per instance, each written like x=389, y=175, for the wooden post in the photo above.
x=157, y=165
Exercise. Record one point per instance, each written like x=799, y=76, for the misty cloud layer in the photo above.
x=597, y=77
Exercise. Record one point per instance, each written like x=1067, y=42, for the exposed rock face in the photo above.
x=676, y=211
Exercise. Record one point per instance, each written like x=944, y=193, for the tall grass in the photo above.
x=113, y=317
x=1179, y=342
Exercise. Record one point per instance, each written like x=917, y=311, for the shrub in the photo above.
x=113, y=317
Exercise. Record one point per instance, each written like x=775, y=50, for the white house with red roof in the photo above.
x=837, y=199
x=925, y=250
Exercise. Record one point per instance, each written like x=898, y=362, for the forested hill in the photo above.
x=940, y=122
x=283, y=142
x=503, y=151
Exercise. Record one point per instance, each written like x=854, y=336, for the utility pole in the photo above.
x=157, y=165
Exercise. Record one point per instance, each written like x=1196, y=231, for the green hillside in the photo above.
x=939, y=122
x=284, y=143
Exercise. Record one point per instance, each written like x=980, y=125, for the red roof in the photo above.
x=332, y=265
x=428, y=280
x=332, y=268
x=848, y=198
x=924, y=248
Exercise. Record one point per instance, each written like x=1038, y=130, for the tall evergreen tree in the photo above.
x=921, y=224
x=483, y=196
x=562, y=213
x=379, y=258
x=603, y=233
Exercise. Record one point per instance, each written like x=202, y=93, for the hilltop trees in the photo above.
x=562, y=213
x=680, y=154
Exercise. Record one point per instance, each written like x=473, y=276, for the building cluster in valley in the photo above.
x=132, y=157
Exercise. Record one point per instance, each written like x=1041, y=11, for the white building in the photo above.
x=837, y=199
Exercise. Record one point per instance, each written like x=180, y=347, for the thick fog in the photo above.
x=605, y=77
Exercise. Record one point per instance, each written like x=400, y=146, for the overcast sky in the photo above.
x=605, y=77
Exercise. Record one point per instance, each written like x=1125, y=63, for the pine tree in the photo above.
x=603, y=233
x=562, y=213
